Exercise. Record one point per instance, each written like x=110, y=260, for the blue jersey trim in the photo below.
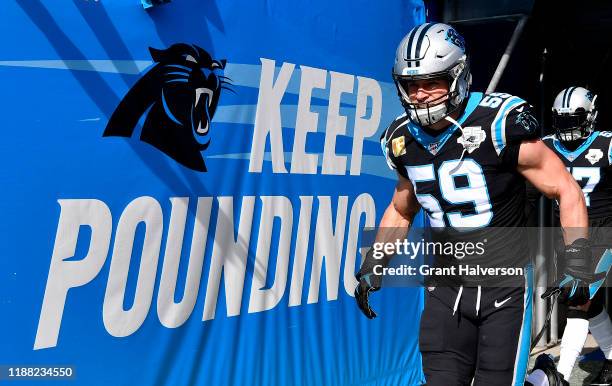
x=498, y=125
x=572, y=155
x=602, y=266
x=522, y=360
x=427, y=140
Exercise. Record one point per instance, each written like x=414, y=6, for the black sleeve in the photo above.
x=520, y=125
x=510, y=155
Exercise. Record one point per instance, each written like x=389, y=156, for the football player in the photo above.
x=462, y=157
x=587, y=155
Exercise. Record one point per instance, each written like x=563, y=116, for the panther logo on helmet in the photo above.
x=454, y=37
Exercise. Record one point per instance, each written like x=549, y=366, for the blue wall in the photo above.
x=118, y=257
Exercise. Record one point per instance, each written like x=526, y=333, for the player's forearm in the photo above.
x=572, y=211
x=394, y=218
x=394, y=225
x=392, y=230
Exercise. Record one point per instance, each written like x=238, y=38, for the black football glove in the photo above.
x=572, y=288
x=579, y=261
x=570, y=291
x=369, y=282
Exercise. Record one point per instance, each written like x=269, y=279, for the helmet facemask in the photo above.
x=572, y=127
x=574, y=115
x=430, y=112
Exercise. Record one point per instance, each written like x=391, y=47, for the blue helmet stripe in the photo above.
x=564, y=96
x=420, y=42
x=569, y=96
x=409, y=45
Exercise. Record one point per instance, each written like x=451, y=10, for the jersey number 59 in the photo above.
x=475, y=193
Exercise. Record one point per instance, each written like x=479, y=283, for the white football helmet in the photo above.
x=430, y=51
x=574, y=114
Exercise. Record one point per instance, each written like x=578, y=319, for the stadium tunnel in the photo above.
x=557, y=44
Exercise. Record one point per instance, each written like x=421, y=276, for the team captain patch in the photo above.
x=399, y=146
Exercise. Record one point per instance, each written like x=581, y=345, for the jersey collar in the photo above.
x=572, y=155
x=434, y=144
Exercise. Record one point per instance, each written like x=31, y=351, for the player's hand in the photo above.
x=368, y=282
x=551, y=291
x=573, y=287
x=570, y=291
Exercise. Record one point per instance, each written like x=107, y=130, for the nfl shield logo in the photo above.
x=433, y=147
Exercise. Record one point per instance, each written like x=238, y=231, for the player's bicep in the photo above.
x=542, y=168
x=403, y=206
x=533, y=194
x=404, y=198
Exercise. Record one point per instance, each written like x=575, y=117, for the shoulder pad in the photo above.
x=398, y=123
x=513, y=123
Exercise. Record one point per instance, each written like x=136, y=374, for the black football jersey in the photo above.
x=590, y=164
x=466, y=177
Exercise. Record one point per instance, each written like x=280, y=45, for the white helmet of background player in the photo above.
x=432, y=51
x=574, y=114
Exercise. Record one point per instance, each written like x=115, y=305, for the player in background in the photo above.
x=463, y=157
x=587, y=154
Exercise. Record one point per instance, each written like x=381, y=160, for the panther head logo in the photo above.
x=179, y=95
x=528, y=121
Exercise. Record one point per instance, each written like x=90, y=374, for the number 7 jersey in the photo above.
x=466, y=176
x=590, y=165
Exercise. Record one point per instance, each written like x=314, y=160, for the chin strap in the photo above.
x=465, y=147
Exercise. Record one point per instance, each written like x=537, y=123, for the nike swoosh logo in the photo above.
x=497, y=305
x=520, y=110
